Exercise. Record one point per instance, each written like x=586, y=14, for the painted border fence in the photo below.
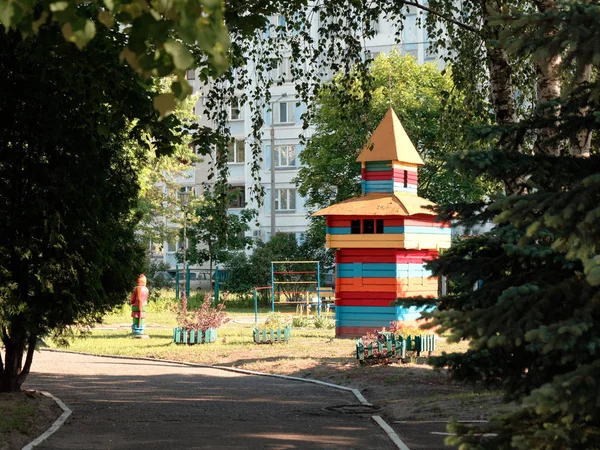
x=183, y=336
x=271, y=336
x=389, y=345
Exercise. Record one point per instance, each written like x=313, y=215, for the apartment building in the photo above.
x=283, y=209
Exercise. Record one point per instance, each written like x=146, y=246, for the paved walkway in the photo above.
x=132, y=404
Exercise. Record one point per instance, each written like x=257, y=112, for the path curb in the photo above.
x=382, y=424
x=55, y=426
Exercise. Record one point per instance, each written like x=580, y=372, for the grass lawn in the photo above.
x=405, y=390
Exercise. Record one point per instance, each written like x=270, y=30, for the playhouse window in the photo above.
x=368, y=226
x=406, y=178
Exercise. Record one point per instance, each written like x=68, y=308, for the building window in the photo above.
x=368, y=226
x=355, y=227
x=406, y=178
x=189, y=189
x=236, y=151
x=235, y=111
x=285, y=156
x=379, y=226
x=285, y=200
x=237, y=197
x=190, y=75
x=374, y=25
x=283, y=71
x=284, y=112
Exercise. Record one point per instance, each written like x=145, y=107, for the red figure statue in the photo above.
x=139, y=300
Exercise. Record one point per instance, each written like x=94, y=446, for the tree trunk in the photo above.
x=501, y=85
x=548, y=89
x=581, y=142
x=28, y=359
x=502, y=92
x=10, y=377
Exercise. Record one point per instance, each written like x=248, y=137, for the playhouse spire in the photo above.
x=389, y=142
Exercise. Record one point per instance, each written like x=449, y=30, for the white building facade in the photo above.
x=281, y=132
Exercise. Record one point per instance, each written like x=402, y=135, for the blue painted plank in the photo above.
x=366, y=310
x=382, y=270
x=379, y=184
x=378, y=190
x=338, y=230
x=427, y=230
x=415, y=230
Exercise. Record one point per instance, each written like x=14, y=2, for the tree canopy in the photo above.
x=428, y=106
x=213, y=236
x=68, y=185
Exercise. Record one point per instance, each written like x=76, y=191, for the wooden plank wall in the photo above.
x=368, y=281
x=385, y=176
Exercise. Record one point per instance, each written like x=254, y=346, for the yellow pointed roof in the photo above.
x=389, y=142
x=380, y=204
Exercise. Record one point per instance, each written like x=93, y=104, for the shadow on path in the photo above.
x=120, y=404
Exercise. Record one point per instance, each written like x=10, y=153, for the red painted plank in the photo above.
x=363, y=282
x=338, y=223
x=352, y=255
x=426, y=223
x=354, y=288
x=393, y=222
x=349, y=295
x=371, y=302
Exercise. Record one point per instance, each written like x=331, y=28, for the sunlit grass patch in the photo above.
x=16, y=416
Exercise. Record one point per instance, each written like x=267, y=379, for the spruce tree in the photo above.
x=533, y=322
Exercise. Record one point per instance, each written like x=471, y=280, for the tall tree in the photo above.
x=431, y=111
x=532, y=326
x=213, y=236
x=161, y=175
x=68, y=185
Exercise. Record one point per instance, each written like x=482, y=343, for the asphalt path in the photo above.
x=133, y=404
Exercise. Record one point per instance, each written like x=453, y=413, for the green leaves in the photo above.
x=79, y=32
x=164, y=104
x=107, y=19
x=181, y=55
x=171, y=26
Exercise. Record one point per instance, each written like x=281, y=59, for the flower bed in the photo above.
x=199, y=326
x=382, y=345
x=183, y=336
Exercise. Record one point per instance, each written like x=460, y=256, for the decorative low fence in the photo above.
x=389, y=345
x=183, y=336
x=272, y=336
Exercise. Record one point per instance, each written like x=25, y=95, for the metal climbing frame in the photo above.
x=316, y=281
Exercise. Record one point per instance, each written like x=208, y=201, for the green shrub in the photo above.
x=325, y=322
x=276, y=320
x=162, y=302
x=240, y=300
x=300, y=322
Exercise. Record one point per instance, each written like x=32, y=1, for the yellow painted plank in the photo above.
x=409, y=241
x=403, y=166
x=365, y=241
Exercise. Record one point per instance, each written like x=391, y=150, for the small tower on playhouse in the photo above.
x=384, y=237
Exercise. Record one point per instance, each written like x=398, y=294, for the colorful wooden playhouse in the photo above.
x=384, y=237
